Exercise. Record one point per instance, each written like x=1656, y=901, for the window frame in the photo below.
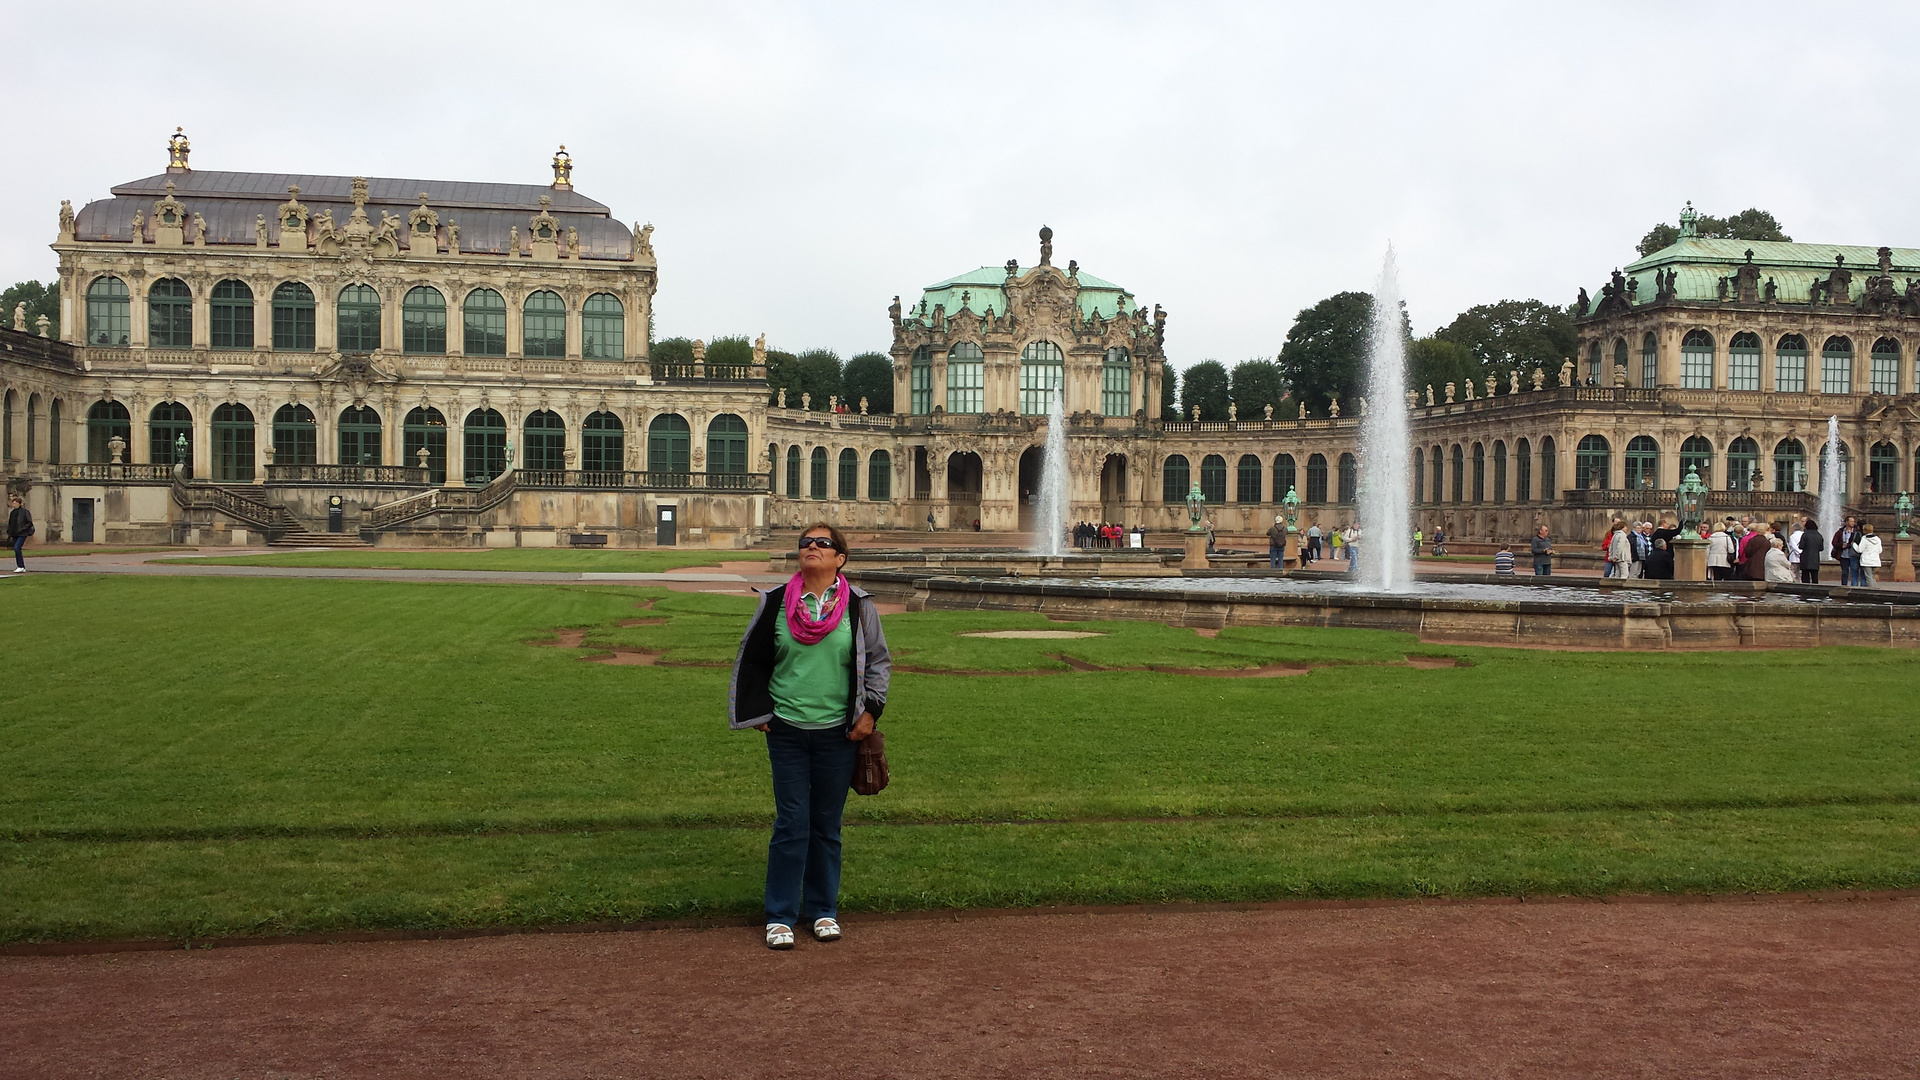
x=296, y=435
x=603, y=330
x=1043, y=371
x=295, y=316
x=169, y=314
x=545, y=327
x=478, y=314
x=966, y=374
x=108, y=311
x=362, y=315
x=423, y=323
x=355, y=426
x=230, y=317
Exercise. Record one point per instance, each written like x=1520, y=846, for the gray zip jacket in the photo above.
x=750, y=704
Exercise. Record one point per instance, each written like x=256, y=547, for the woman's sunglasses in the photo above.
x=818, y=541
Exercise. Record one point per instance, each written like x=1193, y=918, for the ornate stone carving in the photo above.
x=1450, y=392
x=138, y=231
x=66, y=221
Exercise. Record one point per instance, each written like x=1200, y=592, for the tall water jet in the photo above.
x=1386, y=520
x=1050, y=511
x=1831, y=495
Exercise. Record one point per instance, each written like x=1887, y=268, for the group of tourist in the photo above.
x=1106, y=534
x=1640, y=549
x=1746, y=550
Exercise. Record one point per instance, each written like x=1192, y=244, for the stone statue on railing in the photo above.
x=863, y=406
x=1539, y=378
x=20, y=317
x=1513, y=381
x=117, y=446
x=1413, y=399
x=1196, y=414
x=1450, y=393
x=806, y=402
x=783, y=397
x=1269, y=413
x=1333, y=408
x=1429, y=395
x=1566, y=372
x=1491, y=384
x=1233, y=412
x=421, y=455
x=1363, y=406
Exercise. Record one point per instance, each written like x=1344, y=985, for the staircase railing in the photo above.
x=274, y=521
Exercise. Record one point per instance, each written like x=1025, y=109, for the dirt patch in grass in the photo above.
x=628, y=624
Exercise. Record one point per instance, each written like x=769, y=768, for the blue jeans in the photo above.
x=1543, y=565
x=1849, y=570
x=812, y=770
x=18, y=543
x=1275, y=556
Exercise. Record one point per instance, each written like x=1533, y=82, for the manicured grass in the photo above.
x=201, y=756
x=560, y=560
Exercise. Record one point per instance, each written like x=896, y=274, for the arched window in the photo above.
x=1522, y=471
x=1789, y=466
x=1883, y=468
x=1174, y=479
x=1479, y=473
x=1836, y=366
x=1459, y=473
x=358, y=319
x=1116, y=386
x=1743, y=465
x=603, y=443
x=425, y=429
x=232, y=443
x=1845, y=486
x=603, y=328
x=1213, y=479
x=1696, y=360
x=727, y=445
x=1743, y=362
x=1283, y=481
x=793, y=472
x=486, y=445
x=170, y=435
x=880, y=476
x=54, y=431
x=293, y=318
x=1499, y=473
x=669, y=444
x=849, y=488
x=1649, y=360
x=295, y=436
x=108, y=321
x=8, y=405
x=1790, y=364
x=1042, y=374
x=170, y=315
x=920, y=381
x=1883, y=376
x=1549, y=471
x=1696, y=456
x=1349, y=478
x=1641, y=464
x=230, y=315
x=483, y=324
x=817, y=473
x=423, y=321
x=1439, y=458
x=546, y=441
x=966, y=379
x=33, y=427
x=1246, y=479
x=543, y=326
x=1620, y=355
x=1419, y=476
x=1316, y=479
x=360, y=436
x=1593, y=364
x=1593, y=464
x=105, y=420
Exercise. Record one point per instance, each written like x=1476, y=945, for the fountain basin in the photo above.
x=974, y=562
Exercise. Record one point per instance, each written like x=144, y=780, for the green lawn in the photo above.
x=207, y=756
x=560, y=560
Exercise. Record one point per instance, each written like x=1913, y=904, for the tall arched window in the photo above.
x=169, y=315
x=603, y=443
x=1175, y=477
x=727, y=445
x=1649, y=360
x=1883, y=468
x=293, y=318
x=360, y=436
x=1349, y=479
x=1743, y=465
x=108, y=321
x=1593, y=464
x=793, y=472
x=230, y=315
x=1419, y=476
x=1213, y=479
x=1499, y=473
x=1790, y=364
x=1696, y=360
x=1459, y=473
x=1316, y=479
x=295, y=436
x=105, y=419
x=1549, y=471
x=486, y=445
x=849, y=487
x=880, y=476
x=54, y=431
x=546, y=445
x=1789, y=466
x=1246, y=479
x=1883, y=376
x=1641, y=464
x=8, y=406
x=232, y=443
x=33, y=427
x=1836, y=366
x=966, y=379
x=423, y=321
x=1522, y=471
x=1620, y=356
x=483, y=324
x=1743, y=362
x=669, y=444
x=1283, y=476
x=543, y=326
x=1042, y=375
x=170, y=435
x=1439, y=474
x=817, y=473
x=920, y=381
x=1696, y=456
x=1116, y=384
x=1593, y=364
x=603, y=328
x=1479, y=473
x=358, y=320
x=425, y=429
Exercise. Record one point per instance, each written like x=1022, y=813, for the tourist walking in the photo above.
x=1418, y=539
x=1811, y=546
x=1867, y=550
x=1353, y=547
x=1620, y=551
x=1777, y=569
x=1542, y=549
x=1209, y=527
x=812, y=673
x=19, y=527
x=929, y=521
x=1277, y=543
x=1313, y=541
x=1719, y=553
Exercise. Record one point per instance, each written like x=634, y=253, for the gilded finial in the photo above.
x=563, y=168
x=177, y=150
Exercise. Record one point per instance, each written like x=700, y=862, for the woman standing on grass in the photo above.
x=812, y=673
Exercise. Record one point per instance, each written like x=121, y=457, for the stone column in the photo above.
x=516, y=326
x=1767, y=361
x=137, y=311
x=202, y=319
x=326, y=312
x=574, y=328
x=1667, y=366
x=262, y=316
x=203, y=442
x=1903, y=558
x=456, y=414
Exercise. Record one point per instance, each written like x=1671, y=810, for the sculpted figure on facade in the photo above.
x=760, y=351
x=453, y=237
x=139, y=228
x=1566, y=372
x=260, y=230
x=20, y=317
x=66, y=219
x=1233, y=412
x=1269, y=409
x=1450, y=392
x=1429, y=395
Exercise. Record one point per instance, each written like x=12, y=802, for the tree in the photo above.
x=1435, y=361
x=1507, y=336
x=1257, y=384
x=670, y=353
x=40, y=300
x=1205, y=385
x=870, y=376
x=1749, y=224
x=816, y=372
x=729, y=352
x=1326, y=350
x=1169, y=387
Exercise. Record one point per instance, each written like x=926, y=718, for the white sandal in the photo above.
x=826, y=930
x=779, y=936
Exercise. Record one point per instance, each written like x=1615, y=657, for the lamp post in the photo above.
x=1903, y=539
x=1689, y=550
x=1196, y=505
x=1196, y=556
x=180, y=449
x=1903, y=514
x=1290, y=505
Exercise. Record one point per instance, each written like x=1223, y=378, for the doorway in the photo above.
x=1032, y=463
x=83, y=521
x=666, y=532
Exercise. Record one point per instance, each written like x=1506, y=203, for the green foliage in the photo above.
x=672, y=351
x=1435, y=361
x=1750, y=224
x=816, y=372
x=730, y=351
x=1513, y=335
x=1205, y=384
x=40, y=300
x=1325, y=353
x=870, y=375
x=1257, y=384
x=1169, y=390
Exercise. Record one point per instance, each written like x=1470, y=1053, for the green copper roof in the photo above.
x=983, y=290
x=1700, y=265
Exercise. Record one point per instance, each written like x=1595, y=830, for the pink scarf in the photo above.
x=806, y=629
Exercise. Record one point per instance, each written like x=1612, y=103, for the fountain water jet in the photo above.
x=1385, y=452
x=1050, y=511
x=1830, y=490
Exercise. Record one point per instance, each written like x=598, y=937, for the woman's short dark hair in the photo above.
x=839, y=539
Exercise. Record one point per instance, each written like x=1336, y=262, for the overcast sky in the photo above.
x=803, y=163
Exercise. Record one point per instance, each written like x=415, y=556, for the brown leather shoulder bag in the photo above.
x=870, y=765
